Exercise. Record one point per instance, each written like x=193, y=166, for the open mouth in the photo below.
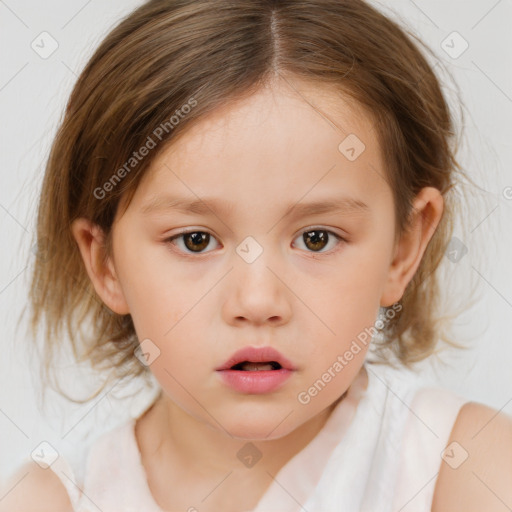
x=253, y=371
x=247, y=366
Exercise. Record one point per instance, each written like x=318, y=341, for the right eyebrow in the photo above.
x=203, y=206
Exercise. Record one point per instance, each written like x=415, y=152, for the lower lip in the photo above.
x=255, y=382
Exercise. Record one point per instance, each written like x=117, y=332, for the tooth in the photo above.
x=251, y=367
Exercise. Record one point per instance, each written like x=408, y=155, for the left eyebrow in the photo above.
x=343, y=205
x=205, y=206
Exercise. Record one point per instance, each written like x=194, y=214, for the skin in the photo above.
x=256, y=158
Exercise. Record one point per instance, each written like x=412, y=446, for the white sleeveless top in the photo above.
x=379, y=451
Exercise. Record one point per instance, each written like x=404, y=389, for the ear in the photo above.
x=100, y=268
x=426, y=213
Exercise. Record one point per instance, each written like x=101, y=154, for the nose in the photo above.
x=257, y=294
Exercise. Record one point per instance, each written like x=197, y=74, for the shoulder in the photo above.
x=476, y=467
x=34, y=489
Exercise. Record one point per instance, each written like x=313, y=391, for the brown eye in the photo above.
x=319, y=240
x=196, y=241
x=191, y=241
x=315, y=240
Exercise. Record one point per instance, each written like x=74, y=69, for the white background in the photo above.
x=33, y=92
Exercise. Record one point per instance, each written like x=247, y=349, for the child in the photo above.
x=236, y=191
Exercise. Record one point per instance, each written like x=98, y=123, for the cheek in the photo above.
x=150, y=287
x=167, y=308
x=347, y=303
x=349, y=294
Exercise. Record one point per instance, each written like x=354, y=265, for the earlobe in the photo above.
x=100, y=268
x=426, y=214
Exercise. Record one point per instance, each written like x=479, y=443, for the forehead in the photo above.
x=280, y=143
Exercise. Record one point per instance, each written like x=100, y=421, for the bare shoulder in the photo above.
x=476, y=469
x=34, y=489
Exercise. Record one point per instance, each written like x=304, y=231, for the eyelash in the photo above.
x=313, y=254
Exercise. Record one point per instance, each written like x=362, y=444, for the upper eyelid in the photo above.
x=320, y=228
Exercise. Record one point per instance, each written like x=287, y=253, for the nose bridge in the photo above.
x=253, y=263
x=257, y=292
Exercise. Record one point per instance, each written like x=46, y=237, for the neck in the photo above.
x=196, y=447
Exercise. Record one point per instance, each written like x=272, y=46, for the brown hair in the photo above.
x=203, y=53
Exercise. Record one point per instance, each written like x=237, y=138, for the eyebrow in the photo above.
x=209, y=206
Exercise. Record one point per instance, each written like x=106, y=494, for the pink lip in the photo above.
x=256, y=382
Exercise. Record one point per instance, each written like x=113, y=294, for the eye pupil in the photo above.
x=317, y=238
x=196, y=241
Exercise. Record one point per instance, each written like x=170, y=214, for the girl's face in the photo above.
x=293, y=249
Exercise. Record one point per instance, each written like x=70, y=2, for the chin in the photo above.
x=258, y=427
x=259, y=433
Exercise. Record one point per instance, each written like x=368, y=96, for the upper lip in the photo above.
x=257, y=355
